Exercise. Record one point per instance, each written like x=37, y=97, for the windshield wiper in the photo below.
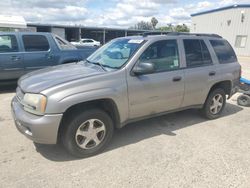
x=110, y=67
x=97, y=63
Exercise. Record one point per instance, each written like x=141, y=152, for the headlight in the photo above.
x=34, y=103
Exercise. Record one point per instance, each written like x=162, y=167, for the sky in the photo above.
x=110, y=13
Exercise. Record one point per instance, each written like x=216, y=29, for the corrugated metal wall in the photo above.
x=228, y=24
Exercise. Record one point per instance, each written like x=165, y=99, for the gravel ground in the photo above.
x=176, y=150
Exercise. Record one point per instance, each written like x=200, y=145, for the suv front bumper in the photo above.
x=40, y=129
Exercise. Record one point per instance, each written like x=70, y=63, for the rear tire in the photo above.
x=88, y=133
x=214, y=104
x=243, y=100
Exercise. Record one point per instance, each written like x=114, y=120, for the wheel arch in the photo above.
x=106, y=104
x=226, y=85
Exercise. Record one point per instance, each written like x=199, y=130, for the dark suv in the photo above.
x=21, y=53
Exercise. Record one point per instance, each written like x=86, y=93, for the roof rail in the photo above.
x=180, y=33
x=154, y=33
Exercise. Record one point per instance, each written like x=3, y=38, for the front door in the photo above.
x=162, y=90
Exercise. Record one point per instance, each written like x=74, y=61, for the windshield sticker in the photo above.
x=135, y=41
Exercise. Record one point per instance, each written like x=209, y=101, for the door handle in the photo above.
x=177, y=79
x=212, y=73
x=15, y=58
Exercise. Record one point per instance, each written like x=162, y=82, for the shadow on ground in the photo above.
x=136, y=132
x=8, y=87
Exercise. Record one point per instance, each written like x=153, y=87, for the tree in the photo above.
x=142, y=26
x=154, y=22
x=168, y=28
x=182, y=28
x=6, y=29
x=172, y=28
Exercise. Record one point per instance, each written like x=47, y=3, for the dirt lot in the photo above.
x=176, y=150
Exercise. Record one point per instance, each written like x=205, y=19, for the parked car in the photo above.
x=21, y=53
x=81, y=104
x=86, y=42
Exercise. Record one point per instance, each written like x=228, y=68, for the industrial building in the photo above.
x=69, y=32
x=74, y=33
x=231, y=22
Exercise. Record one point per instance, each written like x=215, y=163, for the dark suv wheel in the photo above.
x=88, y=133
x=214, y=104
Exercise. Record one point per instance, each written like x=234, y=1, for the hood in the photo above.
x=40, y=80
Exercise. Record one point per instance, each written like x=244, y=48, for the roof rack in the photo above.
x=180, y=33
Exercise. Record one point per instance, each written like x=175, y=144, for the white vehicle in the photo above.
x=86, y=42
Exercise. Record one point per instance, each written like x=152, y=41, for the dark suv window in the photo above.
x=163, y=54
x=8, y=43
x=224, y=51
x=197, y=53
x=35, y=43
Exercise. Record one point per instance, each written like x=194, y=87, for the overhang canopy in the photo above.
x=12, y=21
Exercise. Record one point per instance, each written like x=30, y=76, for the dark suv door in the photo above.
x=38, y=53
x=11, y=60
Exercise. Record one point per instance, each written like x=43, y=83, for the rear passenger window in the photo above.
x=33, y=43
x=163, y=54
x=197, y=53
x=224, y=51
x=8, y=43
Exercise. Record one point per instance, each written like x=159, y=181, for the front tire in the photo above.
x=88, y=133
x=214, y=104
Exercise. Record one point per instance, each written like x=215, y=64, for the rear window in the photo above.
x=33, y=43
x=224, y=51
x=8, y=43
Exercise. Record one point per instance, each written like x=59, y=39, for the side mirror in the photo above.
x=144, y=68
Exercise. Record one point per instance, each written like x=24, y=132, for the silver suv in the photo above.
x=128, y=79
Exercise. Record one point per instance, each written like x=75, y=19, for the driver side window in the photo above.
x=163, y=54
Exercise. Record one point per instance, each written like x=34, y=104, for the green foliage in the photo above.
x=142, y=26
x=182, y=28
x=3, y=29
x=168, y=28
x=172, y=28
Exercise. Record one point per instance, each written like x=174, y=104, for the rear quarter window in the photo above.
x=223, y=51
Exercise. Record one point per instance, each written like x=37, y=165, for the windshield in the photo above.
x=115, y=53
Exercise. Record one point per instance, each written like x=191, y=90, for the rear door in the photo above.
x=37, y=52
x=200, y=72
x=11, y=59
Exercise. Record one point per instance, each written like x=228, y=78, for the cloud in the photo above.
x=46, y=11
x=109, y=13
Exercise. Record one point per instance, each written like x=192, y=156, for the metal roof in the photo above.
x=82, y=27
x=222, y=8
